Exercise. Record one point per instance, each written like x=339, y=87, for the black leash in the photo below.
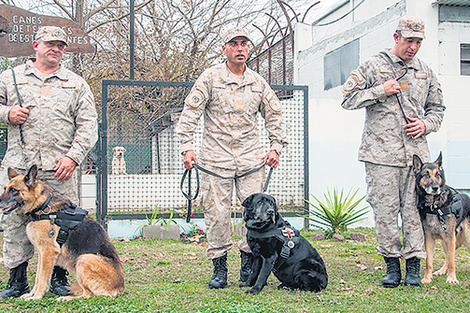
x=188, y=194
x=20, y=125
x=397, y=79
x=198, y=168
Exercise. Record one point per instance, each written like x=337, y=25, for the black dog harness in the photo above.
x=442, y=209
x=67, y=219
x=284, y=234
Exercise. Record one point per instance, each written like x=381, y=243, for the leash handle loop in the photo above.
x=187, y=195
x=198, y=168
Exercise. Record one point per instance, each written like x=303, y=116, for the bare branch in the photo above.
x=117, y=18
x=64, y=9
x=98, y=9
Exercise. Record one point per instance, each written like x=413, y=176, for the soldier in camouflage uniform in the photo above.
x=53, y=125
x=391, y=136
x=230, y=95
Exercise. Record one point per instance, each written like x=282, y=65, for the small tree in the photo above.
x=337, y=212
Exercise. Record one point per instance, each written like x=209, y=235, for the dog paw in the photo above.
x=426, y=280
x=452, y=280
x=246, y=284
x=439, y=273
x=253, y=291
x=27, y=296
x=31, y=297
x=64, y=298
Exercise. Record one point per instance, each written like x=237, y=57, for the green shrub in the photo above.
x=336, y=213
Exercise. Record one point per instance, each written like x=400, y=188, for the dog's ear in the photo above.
x=439, y=160
x=245, y=214
x=248, y=201
x=417, y=163
x=12, y=173
x=114, y=149
x=276, y=211
x=30, y=178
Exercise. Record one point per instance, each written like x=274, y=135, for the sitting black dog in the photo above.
x=279, y=248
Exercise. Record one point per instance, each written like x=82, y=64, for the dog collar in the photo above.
x=42, y=207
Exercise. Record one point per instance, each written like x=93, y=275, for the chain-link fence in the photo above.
x=141, y=116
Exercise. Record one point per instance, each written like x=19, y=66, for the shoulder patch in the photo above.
x=355, y=81
x=272, y=102
x=196, y=98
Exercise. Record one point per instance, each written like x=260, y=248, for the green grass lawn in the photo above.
x=172, y=276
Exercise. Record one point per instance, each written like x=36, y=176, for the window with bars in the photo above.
x=465, y=59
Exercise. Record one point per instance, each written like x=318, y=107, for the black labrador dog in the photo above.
x=279, y=248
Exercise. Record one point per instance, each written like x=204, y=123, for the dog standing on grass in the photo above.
x=87, y=250
x=445, y=215
x=118, y=163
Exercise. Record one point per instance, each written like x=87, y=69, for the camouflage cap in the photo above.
x=51, y=33
x=411, y=26
x=233, y=33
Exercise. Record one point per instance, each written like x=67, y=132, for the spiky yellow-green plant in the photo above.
x=337, y=212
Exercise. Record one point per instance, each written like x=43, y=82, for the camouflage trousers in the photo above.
x=390, y=193
x=216, y=201
x=16, y=246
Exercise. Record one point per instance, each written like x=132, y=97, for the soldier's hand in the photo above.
x=272, y=159
x=18, y=115
x=189, y=158
x=64, y=168
x=391, y=87
x=416, y=128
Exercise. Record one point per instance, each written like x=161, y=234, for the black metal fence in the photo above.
x=140, y=116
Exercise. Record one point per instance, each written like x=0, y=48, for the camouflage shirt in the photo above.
x=62, y=120
x=384, y=140
x=230, y=104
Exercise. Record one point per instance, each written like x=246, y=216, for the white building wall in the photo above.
x=335, y=134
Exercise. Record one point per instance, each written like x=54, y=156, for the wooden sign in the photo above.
x=18, y=26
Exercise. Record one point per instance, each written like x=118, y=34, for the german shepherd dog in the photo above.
x=445, y=215
x=87, y=251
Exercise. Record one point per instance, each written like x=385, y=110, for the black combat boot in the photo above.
x=219, y=278
x=17, y=284
x=59, y=285
x=245, y=267
x=393, y=277
x=412, y=272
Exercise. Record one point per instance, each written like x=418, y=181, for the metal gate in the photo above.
x=140, y=116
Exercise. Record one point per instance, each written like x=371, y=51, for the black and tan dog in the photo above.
x=279, y=248
x=445, y=215
x=87, y=249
